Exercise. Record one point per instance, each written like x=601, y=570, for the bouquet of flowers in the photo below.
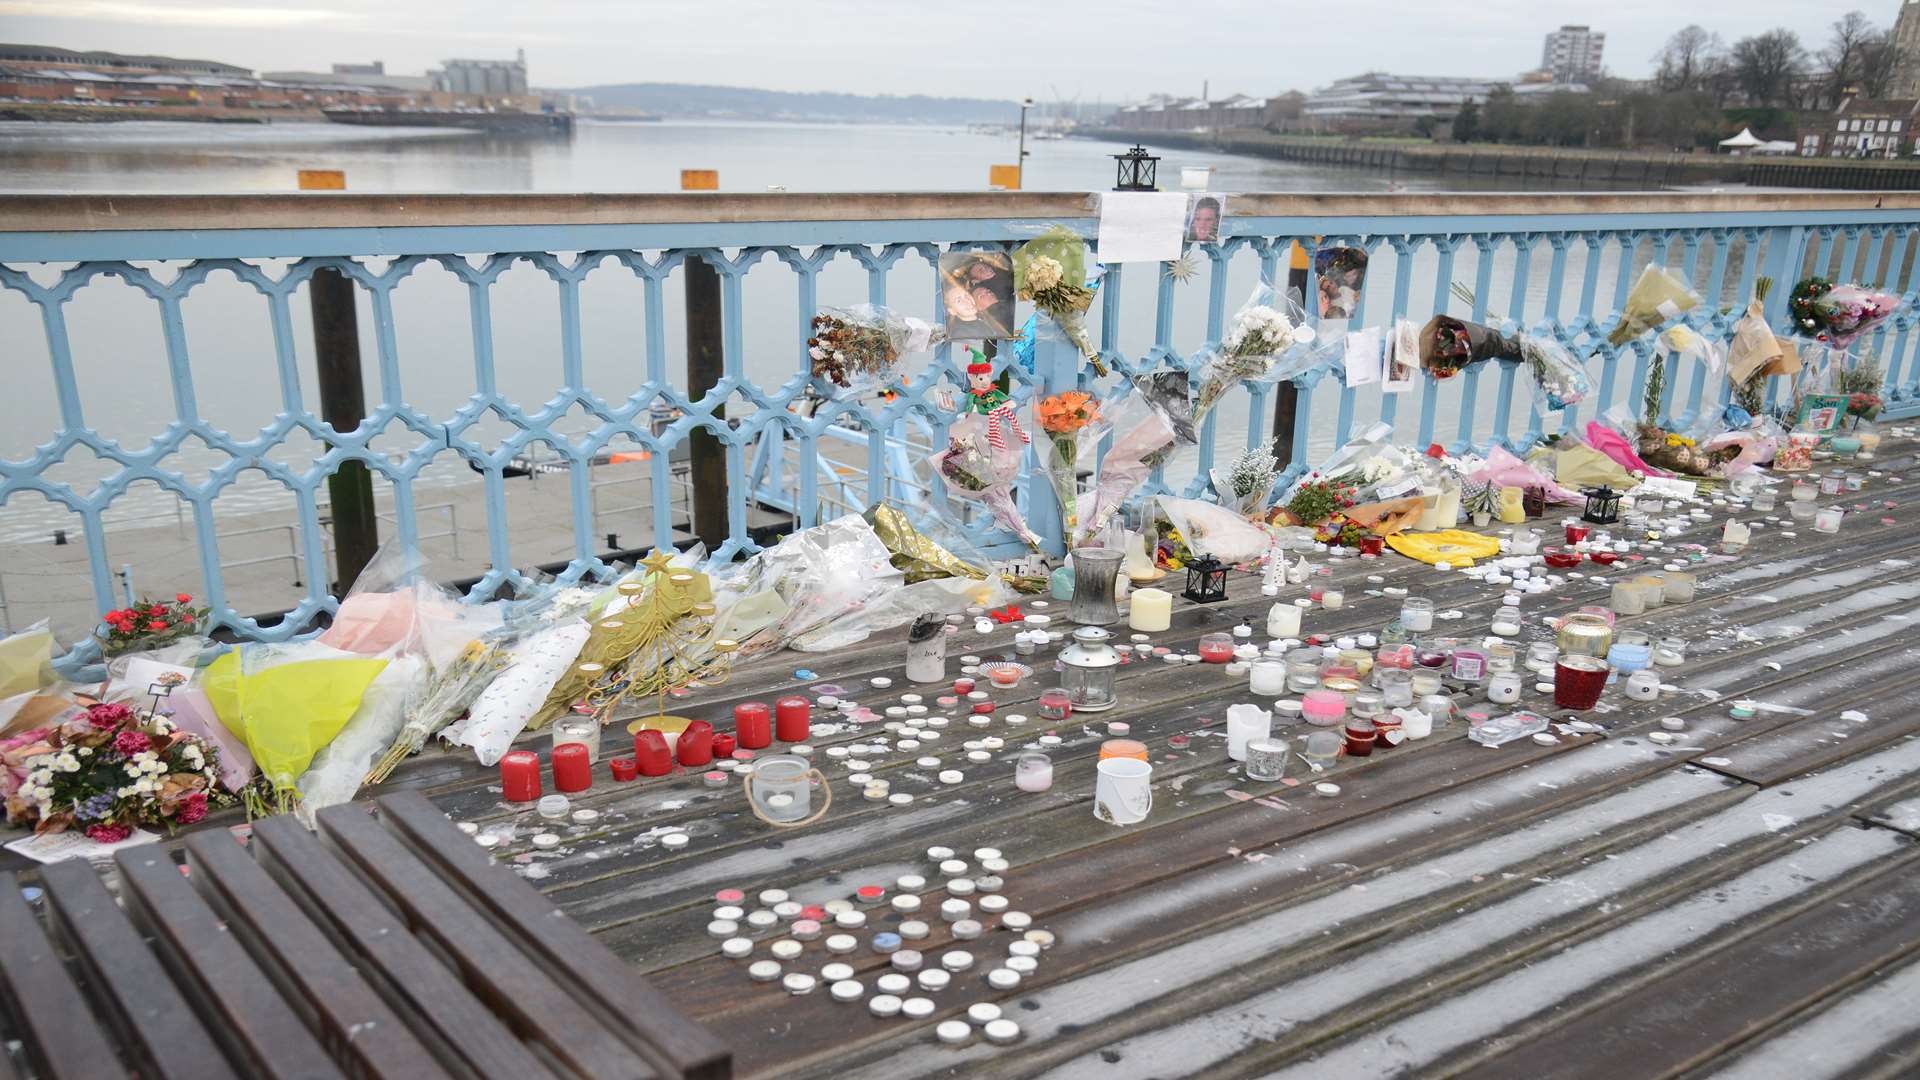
x=1253, y=343
x=1558, y=378
x=1249, y=480
x=1069, y=419
x=856, y=348
x=1838, y=313
x=150, y=624
x=974, y=468
x=1319, y=498
x=441, y=698
x=1449, y=346
x=1862, y=382
x=106, y=771
x=1658, y=295
x=1143, y=440
x=1048, y=272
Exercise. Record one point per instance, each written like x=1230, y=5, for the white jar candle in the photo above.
x=1283, y=620
x=1267, y=677
x=1416, y=614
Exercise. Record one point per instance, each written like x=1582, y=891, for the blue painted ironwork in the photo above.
x=802, y=453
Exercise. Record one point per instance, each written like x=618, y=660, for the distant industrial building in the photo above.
x=491, y=78
x=1377, y=101
x=1572, y=54
x=107, y=63
x=1195, y=114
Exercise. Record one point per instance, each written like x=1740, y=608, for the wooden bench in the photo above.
x=386, y=945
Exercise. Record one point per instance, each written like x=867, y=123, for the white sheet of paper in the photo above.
x=1403, y=358
x=60, y=846
x=1364, y=351
x=1141, y=226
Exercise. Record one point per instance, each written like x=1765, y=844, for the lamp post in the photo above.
x=1025, y=104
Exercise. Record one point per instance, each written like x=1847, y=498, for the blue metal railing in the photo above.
x=1557, y=265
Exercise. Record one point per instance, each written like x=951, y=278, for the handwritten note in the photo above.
x=1141, y=226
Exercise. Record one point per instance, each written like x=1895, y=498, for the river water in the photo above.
x=119, y=351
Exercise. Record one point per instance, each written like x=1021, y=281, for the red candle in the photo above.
x=1360, y=738
x=723, y=746
x=623, y=768
x=651, y=754
x=695, y=746
x=1216, y=649
x=520, y=776
x=963, y=685
x=1576, y=533
x=751, y=725
x=572, y=767
x=1577, y=681
x=791, y=718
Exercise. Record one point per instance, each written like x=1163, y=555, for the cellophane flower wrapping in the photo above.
x=339, y=767
x=976, y=470
x=1838, y=313
x=1143, y=439
x=1449, y=346
x=1050, y=272
x=1071, y=427
x=1559, y=378
x=1265, y=328
x=802, y=584
x=1169, y=392
x=504, y=708
x=1657, y=295
x=286, y=701
x=1212, y=529
x=105, y=771
x=856, y=350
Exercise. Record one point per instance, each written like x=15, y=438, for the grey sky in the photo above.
x=1111, y=49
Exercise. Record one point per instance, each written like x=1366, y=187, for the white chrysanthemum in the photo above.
x=1044, y=273
x=85, y=751
x=67, y=763
x=40, y=761
x=132, y=768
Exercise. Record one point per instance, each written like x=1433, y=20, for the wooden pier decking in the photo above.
x=1740, y=902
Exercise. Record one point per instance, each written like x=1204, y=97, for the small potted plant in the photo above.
x=149, y=624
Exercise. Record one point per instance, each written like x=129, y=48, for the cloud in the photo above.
x=173, y=15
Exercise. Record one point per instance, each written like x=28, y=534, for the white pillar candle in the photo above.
x=1152, y=610
x=1244, y=723
x=1283, y=620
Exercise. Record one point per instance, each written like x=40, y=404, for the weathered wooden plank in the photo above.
x=244, y=1008
x=149, y=1012
x=323, y=984
x=1871, y=1029
x=632, y=1008
x=514, y=987
x=1689, y=1015
x=62, y=1039
x=1823, y=738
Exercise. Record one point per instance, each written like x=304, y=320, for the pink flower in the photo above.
x=132, y=742
x=157, y=624
x=192, y=808
x=109, y=833
x=108, y=716
x=184, y=598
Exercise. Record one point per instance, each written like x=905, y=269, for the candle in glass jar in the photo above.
x=1416, y=614
x=1333, y=599
x=1152, y=610
x=584, y=730
x=1266, y=759
x=1506, y=622
x=520, y=776
x=1503, y=688
x=1033, y=771
x=1653, y=589
x=1244, y=724
x=572, y=768
x=1643, y=686
x=1679, y=589
x=1324, y=708
x=1283, y=620
x=1628, y=598
x=1576, y=532
x=1577, y=682
x=1360, y=738
x=792, y=718
x=1670, y=652
x=1216, y=648
x=1827, y=519
x=1588, y=635
x=1267, y=677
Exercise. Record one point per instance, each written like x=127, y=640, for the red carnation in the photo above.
x=132, y=742
x=109, y=834
x=192, y=808
x=157, y=624
x=184, y=598
x=106, y=716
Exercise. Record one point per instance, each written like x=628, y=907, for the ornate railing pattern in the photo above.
x=1552, y=264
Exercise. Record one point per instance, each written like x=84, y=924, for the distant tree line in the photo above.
x=1700, y=88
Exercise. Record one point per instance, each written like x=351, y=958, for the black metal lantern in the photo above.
x=1136, y=170
x=1603, y=505
x=1206, y=581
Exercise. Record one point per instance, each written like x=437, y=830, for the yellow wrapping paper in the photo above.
x=1581, y=466
x=913, y=554
x=287, y=712
x=1453, y=546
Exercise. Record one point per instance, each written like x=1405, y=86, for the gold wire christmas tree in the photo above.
x=660, y=642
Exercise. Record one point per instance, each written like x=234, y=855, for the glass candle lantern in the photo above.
x=1416, y=614
x=1585, y=635
x=1095, y=571
x=1206, y=581
x=1628, y=599
x=1603, y=505
x=1396, y=687
x=579, y=729
x=1033, y=771
x=1267, y=677
x=1087, y=667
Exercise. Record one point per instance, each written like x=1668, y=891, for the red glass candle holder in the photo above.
x=1361, y=736
x=695, y=745
x=1576, y=532
x=623, y=768
x=963, y=686
x=520, y=776
x=792, y=719
x=651, y=754
x=1387, y=728
x=753, y=725
x=572, y=767
x=1371, y=545
x=1562, y=560
x=1216, y=649
x=1604, y=558
x=1578, y=681
x=724, y=746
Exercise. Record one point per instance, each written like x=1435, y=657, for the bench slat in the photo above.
x=48, y=1008
x=148, y=1010
x=431, y=994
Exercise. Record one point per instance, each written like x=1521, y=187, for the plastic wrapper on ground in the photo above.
x=806, y=581
x=1212, y=529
